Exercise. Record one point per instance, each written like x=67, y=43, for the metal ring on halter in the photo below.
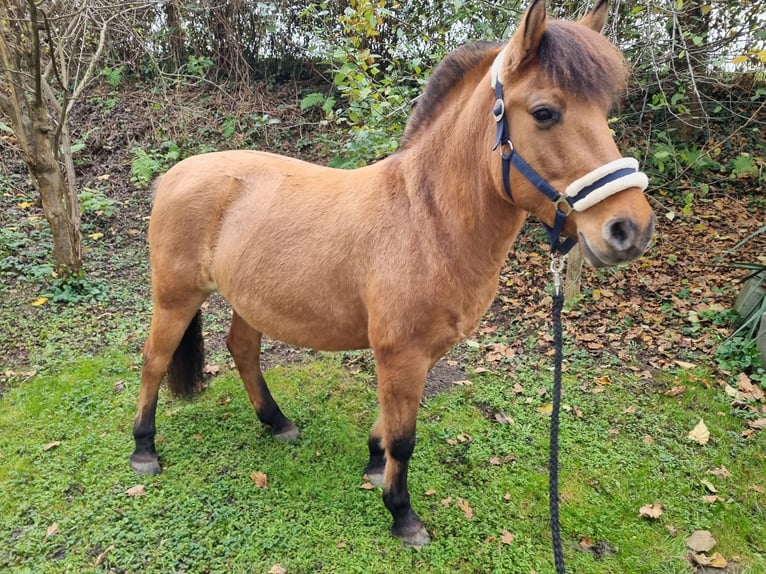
x=562, y=205
x=506, y=145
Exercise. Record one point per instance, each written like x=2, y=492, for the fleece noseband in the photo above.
x=579, y=195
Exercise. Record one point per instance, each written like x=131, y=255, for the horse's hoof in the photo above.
x=288, y=433
x=145, y=465
x=413, y=536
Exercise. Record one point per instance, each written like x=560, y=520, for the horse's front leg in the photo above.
x=401, y=378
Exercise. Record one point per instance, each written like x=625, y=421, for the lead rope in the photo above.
x=557, y=266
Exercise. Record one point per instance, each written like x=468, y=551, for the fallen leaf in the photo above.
x=463, y=383
x=39, y=301
x=701, y=541
x=506, y=537
x=138, y=490
x=709, y=485
x=430, y=492
x=340, y=544
x=517, y=388
x=652, y=511
x=675, y=391
x=95, y=236
x=211, y=370
x=198, y=437
x=465, y=507
x=700, y=434
x=260, y=479
x=504, y=419
x=604, y=380
x=495, y=460
x=720, y=472
x=51, y=445
x=714, y=561
x=52, y=529
x=684, y=364
x=101, y=557
x=757, y=424
x=546, y=409
x=446, y=501
x=367, y=486
x=711, y=499
x=586, y=543
x=277, y=569
x=648, y=439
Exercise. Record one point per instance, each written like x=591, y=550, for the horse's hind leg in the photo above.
x=170, y=327
x=244, y=344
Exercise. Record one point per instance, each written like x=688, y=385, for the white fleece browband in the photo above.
x=634, y=179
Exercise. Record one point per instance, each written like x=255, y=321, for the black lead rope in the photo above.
x=557, y=265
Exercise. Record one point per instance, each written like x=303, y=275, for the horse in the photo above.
x=401, y=256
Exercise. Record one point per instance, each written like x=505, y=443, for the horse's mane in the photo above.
x=444, y=78
x=571, y=56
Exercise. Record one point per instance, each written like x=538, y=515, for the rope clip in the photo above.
x=557, y=266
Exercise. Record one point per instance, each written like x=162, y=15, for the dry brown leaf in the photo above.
x=720, y=472
x=648, y=439
x=52, y=529
x=709, y=485
x=430, y=492
x=260, y=479
x=586, y=543
x=278, y=569
x=714, y=561
x=652, y=511
x=517, y=388
x=700, y=433
x=446, y=501
x=495, y=460
x=137, y=490
x=503, y=419
x=465, y=507
x=367, y=486
x=51, y=445
x=757, y=424
x=211, y=370
x=675, y=391
x=684, y=364
x=506, y=537
x=101, y=557
x=463, y=383
x=701, y=541
x=711, y=499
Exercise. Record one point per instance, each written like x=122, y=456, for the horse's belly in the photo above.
x=327, y=324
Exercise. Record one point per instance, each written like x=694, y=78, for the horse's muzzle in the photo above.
x=623, y=240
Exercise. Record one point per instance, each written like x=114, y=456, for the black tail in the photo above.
x=185, y=370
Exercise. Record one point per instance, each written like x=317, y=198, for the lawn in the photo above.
x=69, y=501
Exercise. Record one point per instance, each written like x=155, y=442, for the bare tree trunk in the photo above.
x=59, y=201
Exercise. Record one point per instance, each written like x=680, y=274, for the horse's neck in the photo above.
x=452, y=176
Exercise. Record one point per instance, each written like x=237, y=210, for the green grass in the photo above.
x=205, y=514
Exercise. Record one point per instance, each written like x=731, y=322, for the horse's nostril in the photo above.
x=620, y=233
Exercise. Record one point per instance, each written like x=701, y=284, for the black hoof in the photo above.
x=287, y=432
x=145, y=464
x=411, y=531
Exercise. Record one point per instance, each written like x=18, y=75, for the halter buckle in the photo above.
x=562, y=205
x=498, y=111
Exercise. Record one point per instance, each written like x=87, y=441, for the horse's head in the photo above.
x=555, y=83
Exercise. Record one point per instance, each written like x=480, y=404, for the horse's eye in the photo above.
x=545, y=115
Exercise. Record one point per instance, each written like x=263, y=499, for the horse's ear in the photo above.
x=523, y=45
x=596, y=18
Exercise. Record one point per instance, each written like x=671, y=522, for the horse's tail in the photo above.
x=185, y=370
